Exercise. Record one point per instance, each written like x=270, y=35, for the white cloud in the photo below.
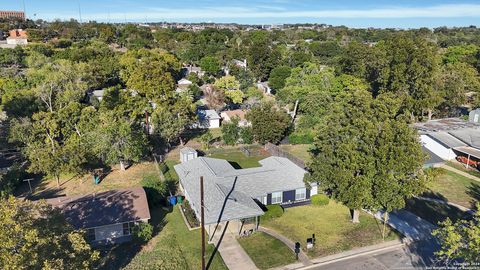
x=437, y=11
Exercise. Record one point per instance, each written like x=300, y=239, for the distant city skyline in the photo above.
x=368, y=13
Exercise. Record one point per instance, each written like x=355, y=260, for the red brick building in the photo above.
x=6, y=14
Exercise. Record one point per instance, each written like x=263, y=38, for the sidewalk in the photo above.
x=462, y=173
x=289, y=243
x=414, y=228
x=233, y=254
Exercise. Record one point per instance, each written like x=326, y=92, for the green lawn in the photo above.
x=433, y=212
x=171, y=173
x=299, y=150
x=456, y=165
x=237, y=158
x=332, y=228
x=174, y=247
x=266, y=251
x=455, y=188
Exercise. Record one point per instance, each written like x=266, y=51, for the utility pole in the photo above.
x=29, y=185
x=24, y=10
x=79, y=12
x=202, y=206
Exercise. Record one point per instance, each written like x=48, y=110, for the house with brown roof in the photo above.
x=227, y=116
x=108, y=217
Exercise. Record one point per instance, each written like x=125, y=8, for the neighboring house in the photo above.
x=208, y=119
x=183, y=85
x=474, y=116
x=17, y=37
x=263, y=86
x=108, y=217
x=98, y=94
x=236, y=195
x=433, y=160
x=450, y=137
x=227, y=116
x=240, y=63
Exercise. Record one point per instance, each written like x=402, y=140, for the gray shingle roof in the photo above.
x=432, y=157
x=229, y=192
x=470, y=136
x=446, y=139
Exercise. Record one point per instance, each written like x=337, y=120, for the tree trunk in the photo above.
x=430, y=113
x=122, y=165
x=355, y=215
x=58, y=181
x=385, y=220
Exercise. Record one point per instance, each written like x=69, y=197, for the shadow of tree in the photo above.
x=434, y=212
x=120, y=255
x=434, y=195
x=474, y=192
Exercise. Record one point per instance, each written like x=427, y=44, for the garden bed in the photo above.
x=189, y=215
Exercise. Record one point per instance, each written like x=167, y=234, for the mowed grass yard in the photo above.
x=76, y=184
x=455, y=188
x=173, y=247
x=459, y=166
x=301, y=151
x=266, y=251
x=237, y=158
x=332, y=226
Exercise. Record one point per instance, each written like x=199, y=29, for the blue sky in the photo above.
x=353, y=13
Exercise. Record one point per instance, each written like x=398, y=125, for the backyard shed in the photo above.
x=187, y=154
x=474, y=116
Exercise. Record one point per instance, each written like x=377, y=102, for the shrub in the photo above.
x=273, y=211
x=320, y=199
x=143, y=232
x=155, y=189
x=300, y=138
x=246, y=135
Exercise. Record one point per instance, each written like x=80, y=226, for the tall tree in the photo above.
x=409, y=68
x=269, y=124
x=119, y=141
x=151, y=73
x=366, y=155
x=459, y=240
x=35, y=236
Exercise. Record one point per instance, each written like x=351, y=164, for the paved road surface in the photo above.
x=416, y=255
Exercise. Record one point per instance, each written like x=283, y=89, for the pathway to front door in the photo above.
x=232, y=253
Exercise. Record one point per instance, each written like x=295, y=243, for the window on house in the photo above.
x=300, y=194
x=277, y=197
x=91, y=235
x=128, y=228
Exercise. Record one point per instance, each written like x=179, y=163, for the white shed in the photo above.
x=474, y=116
x=187, y=154
x=209, y=118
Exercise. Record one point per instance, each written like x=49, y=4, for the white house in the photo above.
x=433, y=142
x=264, y=87
x=208, y=119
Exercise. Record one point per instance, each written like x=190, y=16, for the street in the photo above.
x=416, y=255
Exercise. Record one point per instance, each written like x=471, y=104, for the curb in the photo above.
x=346, y=255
